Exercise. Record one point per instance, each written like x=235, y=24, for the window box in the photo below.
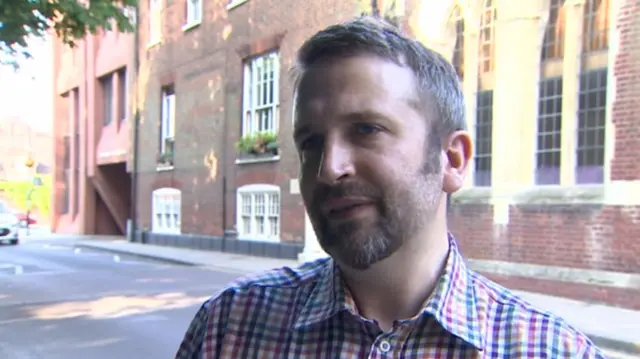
x=258, y=145
x=165, y=158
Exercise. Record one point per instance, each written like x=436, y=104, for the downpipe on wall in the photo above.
x=136, y=124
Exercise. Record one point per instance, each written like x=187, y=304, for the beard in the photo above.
x=402, y=207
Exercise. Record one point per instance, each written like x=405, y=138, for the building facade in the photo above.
x=20, y=143
x=92, y=136
x=550, y=204
x=213, y=84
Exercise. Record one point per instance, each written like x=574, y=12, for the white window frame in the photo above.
x=167, y=117
x=235, y=3
x=194, y=12
x=252, y=90
x=155, y=21
x=294, y=101
x=166, y=210
x=130, y=13
x=256, y=192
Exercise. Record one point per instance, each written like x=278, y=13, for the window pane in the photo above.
x=549, y=131
x=484, y=120
x=591, y=126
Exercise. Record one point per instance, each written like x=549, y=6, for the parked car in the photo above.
x=9, y=228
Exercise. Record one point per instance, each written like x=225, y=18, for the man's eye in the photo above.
x=366, y=129
x=310, y=143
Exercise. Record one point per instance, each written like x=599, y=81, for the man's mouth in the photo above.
x=345, y=208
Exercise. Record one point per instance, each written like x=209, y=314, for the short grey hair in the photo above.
x=436, y=79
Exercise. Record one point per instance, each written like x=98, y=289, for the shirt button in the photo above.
x=385, y=346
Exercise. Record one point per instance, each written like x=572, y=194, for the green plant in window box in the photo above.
x=166, y=157
x=258, y=144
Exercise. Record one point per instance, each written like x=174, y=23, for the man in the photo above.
x=380, y=133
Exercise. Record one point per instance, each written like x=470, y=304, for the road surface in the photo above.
x=57, y=301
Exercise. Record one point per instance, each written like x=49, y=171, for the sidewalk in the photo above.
x=609, y=327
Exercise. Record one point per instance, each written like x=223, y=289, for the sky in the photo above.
x=27, y=93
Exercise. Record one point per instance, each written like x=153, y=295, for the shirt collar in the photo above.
x=453, y=302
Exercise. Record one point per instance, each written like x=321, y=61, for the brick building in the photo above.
x=92, y=134
x=20, y=142
x=211, y=73
x=551, y=204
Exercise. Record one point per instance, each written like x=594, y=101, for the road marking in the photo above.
x=47, y=272
x=55, y=247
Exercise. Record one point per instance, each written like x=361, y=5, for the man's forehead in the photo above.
x=354, y=80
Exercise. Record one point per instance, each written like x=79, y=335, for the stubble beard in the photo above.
x=401, y=213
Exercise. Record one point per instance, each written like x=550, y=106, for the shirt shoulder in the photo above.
x=518, y=328
x=271, y=295
x=283, y=277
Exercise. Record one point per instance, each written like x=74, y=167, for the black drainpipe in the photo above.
x=136, y=140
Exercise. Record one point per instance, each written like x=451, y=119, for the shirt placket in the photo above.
x=389, y=345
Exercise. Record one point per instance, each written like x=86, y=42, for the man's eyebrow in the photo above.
x=363, y=115
x=369, y=114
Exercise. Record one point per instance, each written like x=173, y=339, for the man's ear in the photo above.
x=458, y=151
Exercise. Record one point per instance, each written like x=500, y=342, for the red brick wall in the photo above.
x=583, y=237
x=579, y=236
x=626, y=69
x=206, y=66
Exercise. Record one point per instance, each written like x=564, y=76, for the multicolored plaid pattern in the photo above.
x=308, y=313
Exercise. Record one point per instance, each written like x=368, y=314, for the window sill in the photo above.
x=162, y=168
x=191, y=25
x=536, y=195
x=260, y=159
x=235, y=3
x=154, y=43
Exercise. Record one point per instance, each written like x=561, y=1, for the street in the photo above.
x=57, y=301
x=62, y=301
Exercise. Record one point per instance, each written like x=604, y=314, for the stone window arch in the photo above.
x=456, y=26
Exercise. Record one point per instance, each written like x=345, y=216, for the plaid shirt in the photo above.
x=308, y=313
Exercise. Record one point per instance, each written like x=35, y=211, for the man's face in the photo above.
x=369, y=180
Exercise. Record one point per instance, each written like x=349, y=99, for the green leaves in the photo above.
x=70, y=20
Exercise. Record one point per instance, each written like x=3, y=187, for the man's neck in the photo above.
x=398, y=287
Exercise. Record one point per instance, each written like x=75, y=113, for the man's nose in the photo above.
x=336, y=162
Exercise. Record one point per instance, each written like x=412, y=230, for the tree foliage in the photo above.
x=69, y=20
